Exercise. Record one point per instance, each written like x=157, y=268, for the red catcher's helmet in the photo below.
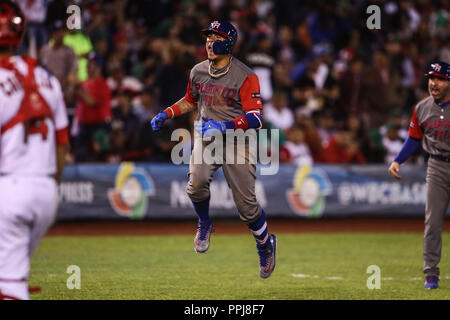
x=12, y=23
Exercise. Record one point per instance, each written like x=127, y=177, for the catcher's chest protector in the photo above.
x=33, y=109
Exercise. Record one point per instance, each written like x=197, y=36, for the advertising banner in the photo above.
x=151, y=190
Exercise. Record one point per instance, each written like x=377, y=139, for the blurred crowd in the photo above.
x=338, y=91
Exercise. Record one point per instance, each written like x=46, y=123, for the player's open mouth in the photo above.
x=435, y=92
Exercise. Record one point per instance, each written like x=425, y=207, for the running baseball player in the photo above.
x=33, y=139
x=430, y=126
x=227, y=96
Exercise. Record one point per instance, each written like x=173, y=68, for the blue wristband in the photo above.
x=254, y=121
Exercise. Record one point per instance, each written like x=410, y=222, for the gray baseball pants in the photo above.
x=437, y=201
x=240, y=178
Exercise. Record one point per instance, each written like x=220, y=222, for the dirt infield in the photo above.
x=158, y=227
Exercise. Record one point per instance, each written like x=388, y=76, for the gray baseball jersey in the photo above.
x=431, y=123
x=225, y=97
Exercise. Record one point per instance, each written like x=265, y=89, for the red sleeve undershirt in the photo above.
x=189, y=96
x=415, y=131
x=250, y=94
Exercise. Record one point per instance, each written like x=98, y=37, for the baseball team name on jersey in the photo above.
x=440, y=128
x=433, y=124
x=215, y=90
x=215, y=94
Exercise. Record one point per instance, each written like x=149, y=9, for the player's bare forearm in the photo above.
x=181, y=107
x=61, y=151
x=185, y=106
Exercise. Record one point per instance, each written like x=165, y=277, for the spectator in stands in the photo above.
x=281, y=78
x=60, y=60
x=359, y=134
x=295, y=150
x=145, y=109
x=326, y=124
x=151, y=146
x=320, y=54
x=155, y=146
x=316, y=89
x=382, y=80
x=392, y=142
x=119, y=81
x=403, y=64
x=36, y=33
x=322, y=23
x=400, y=120
x=170, y=78
x=285, y=46
x=93, y=110
x=277, y=112
x=311, y=133
x=341, y=148
x=261, y=61
x=82, y=46
x=125, y=129
x=351, y=89
x=121, y=53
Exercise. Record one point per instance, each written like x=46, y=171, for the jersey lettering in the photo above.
x=436, y=124
x=211, y=89
x=10, y=86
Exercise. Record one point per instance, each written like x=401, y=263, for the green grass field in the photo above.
x=326, y=266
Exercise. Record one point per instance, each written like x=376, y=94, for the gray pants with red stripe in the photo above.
x=437, y=201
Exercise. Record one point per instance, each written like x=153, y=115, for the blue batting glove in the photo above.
x=158, y=120
x=205, y=128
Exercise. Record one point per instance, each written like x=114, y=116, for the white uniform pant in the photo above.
x=27, y=209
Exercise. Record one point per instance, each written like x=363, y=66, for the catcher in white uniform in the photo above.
x=33, y=140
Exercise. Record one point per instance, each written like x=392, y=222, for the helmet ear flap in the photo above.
x=223, y=47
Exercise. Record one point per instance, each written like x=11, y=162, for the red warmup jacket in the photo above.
x=101, y=93
x=334, y=153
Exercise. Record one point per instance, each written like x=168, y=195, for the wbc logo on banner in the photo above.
x=311, y=186
x=133, y=186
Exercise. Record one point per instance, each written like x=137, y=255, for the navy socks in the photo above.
x=202, y=210
x=259, y=229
